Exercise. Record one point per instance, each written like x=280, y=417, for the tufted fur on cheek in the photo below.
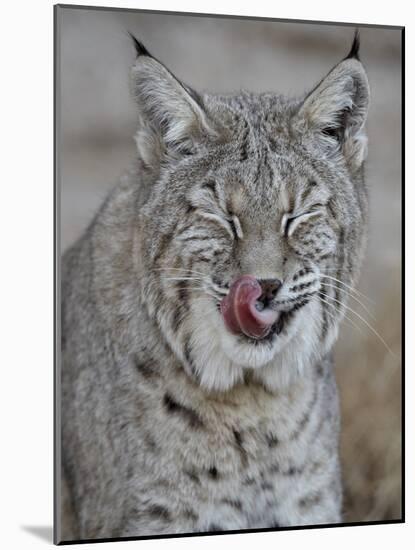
x=334, y=114
x=172, y=119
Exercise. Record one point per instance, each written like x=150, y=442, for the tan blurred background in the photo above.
x=98, y=120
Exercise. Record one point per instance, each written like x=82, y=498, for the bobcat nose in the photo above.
x=269, y=288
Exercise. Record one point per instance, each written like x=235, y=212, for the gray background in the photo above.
x=98, y=120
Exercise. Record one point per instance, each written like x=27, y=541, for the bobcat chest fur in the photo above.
x=200, y=308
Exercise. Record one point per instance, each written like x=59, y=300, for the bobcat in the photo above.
x=200, y=307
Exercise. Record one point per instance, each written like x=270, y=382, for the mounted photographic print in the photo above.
x=228, y=274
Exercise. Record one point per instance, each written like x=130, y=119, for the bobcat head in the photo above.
x=253, y=227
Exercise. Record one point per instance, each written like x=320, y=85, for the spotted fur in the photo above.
x=170, y=424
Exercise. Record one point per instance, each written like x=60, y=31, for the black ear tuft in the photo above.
x=139, y=47
x=354, y=50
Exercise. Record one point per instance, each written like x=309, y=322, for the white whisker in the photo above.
x=354, y=325
x=373, y=330
x=347, y=286
x=352, y=297
x=317, y=319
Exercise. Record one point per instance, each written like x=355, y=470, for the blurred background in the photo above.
x=95, y=146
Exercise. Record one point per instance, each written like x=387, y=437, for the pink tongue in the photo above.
x=239, y=311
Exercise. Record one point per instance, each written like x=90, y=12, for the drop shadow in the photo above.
x=44, y=532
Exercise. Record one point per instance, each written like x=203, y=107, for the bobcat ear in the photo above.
x=336, y=110
x=172, y=117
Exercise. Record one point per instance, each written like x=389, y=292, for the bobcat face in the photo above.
x=254, y=227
